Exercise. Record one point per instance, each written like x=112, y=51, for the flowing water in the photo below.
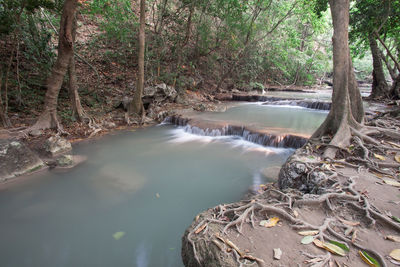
x=130, y=202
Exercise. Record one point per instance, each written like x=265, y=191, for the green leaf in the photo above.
x=341, y=245
x=307, y=239
x=397, y=219
x=118, y=235
x=368, y=259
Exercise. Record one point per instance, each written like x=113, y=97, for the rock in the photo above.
x=277, y=253
x=65, y=161
x=295, y=174
x=17, y=159
x=36, y=133
x=109, y=124
x=159, y=93
x=56, y=145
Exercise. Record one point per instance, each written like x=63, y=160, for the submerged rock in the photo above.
x=65, y=161
x=56, y=145
x=17, y=159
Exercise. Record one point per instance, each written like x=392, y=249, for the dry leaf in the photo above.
x=397, y=158
x=295, y=213
x=394, y=238
x=379, y=157
x=395, y=254
x=318, y=243
x=330, y=247
x=392, y=182
x=305, y=233
x=354, y=236
x=270, y=222
x=277, y=253
x=393, y=144
x=350, y=223
x=201, y=228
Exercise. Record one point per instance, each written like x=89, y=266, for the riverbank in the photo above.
x=353, y=201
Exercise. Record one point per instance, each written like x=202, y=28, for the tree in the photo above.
x=137, y=104
x=380, y=87
x=373, y=20
x=48, y=118
x=346, y=110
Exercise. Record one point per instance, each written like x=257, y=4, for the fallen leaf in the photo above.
x=393, y=144
x=379, y=157
x=395, y=254
x=350, y=223
x=305, y=233
x=343, y=246
x=318, y=243
x=397, y=158
x=270, y=222
x=118, y=235
x=330, y=247
x=307, y=240
x=277, y=253
x=295, y=213
x=354, y=236
x=201, y=228
x=392, y=182
x=368, y=259
x=334, y=249
x=394, y=238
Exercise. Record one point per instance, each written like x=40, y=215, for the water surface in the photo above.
x=130, y=202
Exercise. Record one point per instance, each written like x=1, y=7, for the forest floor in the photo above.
x=356, y=205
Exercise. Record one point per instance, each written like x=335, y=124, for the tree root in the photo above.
x=246, y=211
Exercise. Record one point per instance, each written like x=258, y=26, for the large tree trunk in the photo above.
x=379, y=85
x=77, y=110
x=137, y=104
x=346, y=110
x=48, y=118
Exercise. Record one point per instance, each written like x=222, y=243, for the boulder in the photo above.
x=56, y=145
x=16, y=159
x=159, y=93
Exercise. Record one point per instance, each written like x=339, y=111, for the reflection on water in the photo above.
x=147, y=184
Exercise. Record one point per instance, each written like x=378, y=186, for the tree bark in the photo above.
x=77, y=110
x=137, y=104
x=48, y=118
x=344, y=114
x=395, y=90
x=379, y=85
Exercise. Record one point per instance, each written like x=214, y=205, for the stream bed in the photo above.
x=130, y=202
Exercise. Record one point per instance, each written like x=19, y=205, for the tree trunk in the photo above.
x=137, y=104
x=391, y=70
x=48, y=118
x=77, y=110
x=395, y=90
x=379, y=86
x=4, y=120
x=345, y=97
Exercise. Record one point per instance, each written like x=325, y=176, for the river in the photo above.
x=130, y=202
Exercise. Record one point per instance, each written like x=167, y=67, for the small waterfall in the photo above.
x=264, y=139
x=311, y=104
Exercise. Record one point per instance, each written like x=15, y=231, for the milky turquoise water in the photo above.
x=130, y=202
